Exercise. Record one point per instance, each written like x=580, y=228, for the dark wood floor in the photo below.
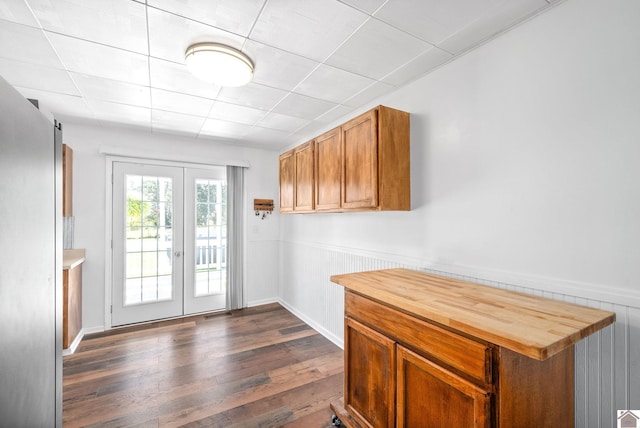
x=259, y=367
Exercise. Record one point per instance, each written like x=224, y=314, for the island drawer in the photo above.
x=471, y=358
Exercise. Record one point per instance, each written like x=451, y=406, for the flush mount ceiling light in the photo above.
x=219, y=64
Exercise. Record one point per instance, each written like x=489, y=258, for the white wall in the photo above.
x=525, y=175
x=524, y=156
x=89, y=186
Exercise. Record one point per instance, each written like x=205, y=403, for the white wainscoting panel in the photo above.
x=261, y=277
x=607, y=369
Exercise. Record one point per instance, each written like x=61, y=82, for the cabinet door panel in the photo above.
x=71, y=305
x=360, y=151
x=432, y=397
x=286, y=181
x=303, y=164
x=369, y=375
x=328, y=171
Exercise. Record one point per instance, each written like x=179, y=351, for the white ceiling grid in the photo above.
x=121, y=62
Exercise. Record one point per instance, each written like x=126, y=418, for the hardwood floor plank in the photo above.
x=227, y=368
x=298, y=402
x=227, y=396
x=256, y=367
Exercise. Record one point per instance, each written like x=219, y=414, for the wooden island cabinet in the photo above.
x=428, y=351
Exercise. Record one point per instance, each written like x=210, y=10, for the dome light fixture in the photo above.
x=219, y=64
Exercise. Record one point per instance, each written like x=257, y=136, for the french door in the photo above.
x=169, y=241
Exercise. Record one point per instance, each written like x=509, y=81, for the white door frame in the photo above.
x=108, y=229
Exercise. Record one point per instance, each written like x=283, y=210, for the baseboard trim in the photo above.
x=317, y=327
x=94, y=329
x=262, y=302
x=74, y=345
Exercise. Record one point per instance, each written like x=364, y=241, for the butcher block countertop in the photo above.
x=530, y=325
x=72, y=258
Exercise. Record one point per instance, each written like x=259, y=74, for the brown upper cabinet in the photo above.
x=363, y=164
x=297, y=178
x=303, y=195
x=286, y=181
x=328, y=164
x=360, y=164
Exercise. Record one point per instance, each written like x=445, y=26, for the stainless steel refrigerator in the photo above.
x=30, y=265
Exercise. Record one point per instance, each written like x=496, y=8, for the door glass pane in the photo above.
x=148, y=233
x=210, y=237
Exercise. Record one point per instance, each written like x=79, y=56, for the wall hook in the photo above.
x=263, y=207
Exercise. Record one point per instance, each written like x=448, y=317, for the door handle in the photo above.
x=177, y=254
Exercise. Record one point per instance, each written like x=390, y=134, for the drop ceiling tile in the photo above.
x=17, y=11
x=34, y=46
x=310, y=131
x=170, y=35
x=490, y=23
x=332, y=84
x=432, y=20
x=234, y=16
x=282, y=122
x=103, y=61
x=236, y=113
x=178, y=132
x=376, y=49
x=303, y=106
x=368, y=6
x=176, y=123
x=313, y=29
x=121, y=114
x=180, y=103
x=252, y=95
x=419, y=66
x=58, y=104
x=220, y=138
x=277, y=68
x=37, y=77
x=369, y=94
x=98, y=88
x=338, y=112
x=176, y=78
x=289, y=41
x=268, y=138
x=223, y=128
x=118, y=23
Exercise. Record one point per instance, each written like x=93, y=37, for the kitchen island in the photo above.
x=424, y=350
